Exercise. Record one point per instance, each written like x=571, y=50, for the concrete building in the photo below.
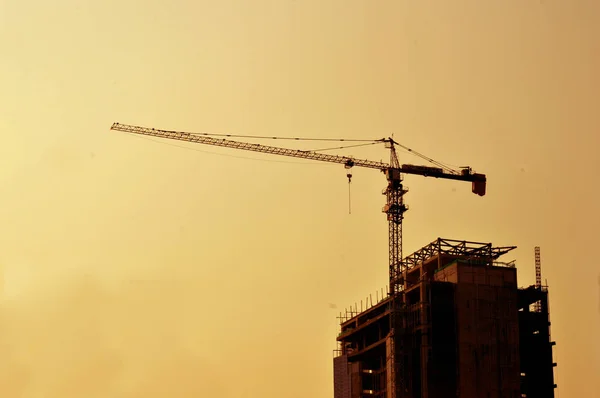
x=463, y=329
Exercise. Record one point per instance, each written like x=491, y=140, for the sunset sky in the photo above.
x=142, y=268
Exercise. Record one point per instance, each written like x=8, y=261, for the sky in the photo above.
x=142, y=268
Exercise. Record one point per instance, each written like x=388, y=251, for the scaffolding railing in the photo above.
x=369, y=302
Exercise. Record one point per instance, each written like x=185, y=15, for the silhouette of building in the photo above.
x=462, y=329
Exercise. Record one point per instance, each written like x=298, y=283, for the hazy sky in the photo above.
x=135, y=268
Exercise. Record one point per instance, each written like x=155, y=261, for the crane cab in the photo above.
x=393, y=175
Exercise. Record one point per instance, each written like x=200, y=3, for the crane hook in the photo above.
x=349, y=175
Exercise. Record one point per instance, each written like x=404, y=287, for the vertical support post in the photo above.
x=424, y=321
x=538, y=277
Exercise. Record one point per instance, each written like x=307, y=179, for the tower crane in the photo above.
x=394, y=192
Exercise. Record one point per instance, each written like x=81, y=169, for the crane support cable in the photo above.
x=287, y=138
x=343, y=147
x=430, y=160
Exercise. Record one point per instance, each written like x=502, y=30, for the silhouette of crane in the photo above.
x=394, y=192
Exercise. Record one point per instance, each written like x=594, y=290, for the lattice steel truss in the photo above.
x=462, y=249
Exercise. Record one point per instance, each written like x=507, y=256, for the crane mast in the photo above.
x=394, y=192
x=394, y=209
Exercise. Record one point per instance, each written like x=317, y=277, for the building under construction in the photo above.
x=460, y=326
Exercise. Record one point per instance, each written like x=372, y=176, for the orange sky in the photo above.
x=134, y=268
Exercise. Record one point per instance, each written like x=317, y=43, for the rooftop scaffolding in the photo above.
x=465, y=250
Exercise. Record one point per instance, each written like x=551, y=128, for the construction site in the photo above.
x=459, y=328
x=453, y=321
